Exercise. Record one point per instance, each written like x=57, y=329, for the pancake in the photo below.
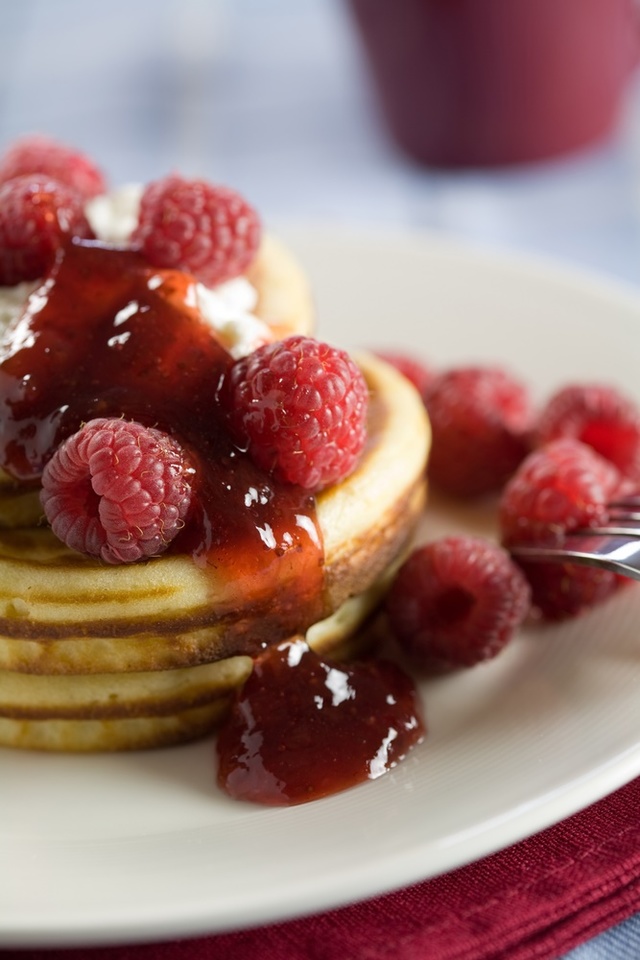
x=112, y=658
x=131, y=711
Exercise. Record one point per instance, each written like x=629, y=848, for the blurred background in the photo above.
x=275, y=98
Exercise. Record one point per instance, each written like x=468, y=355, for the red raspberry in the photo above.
x=560, y=591
x=117, y=491
x=192, y=225
x=456, y=601
x=415, y=370
x=38, y=154
x=558, y=488
x=300, y=407
x=479, y=418
x=598, y=415
x=36, y=215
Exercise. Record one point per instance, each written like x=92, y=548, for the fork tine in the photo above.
x=624, y=519
x=625, y=509
x=620, y=555
x=623, y=522
x=610, y=530
x=614, y=546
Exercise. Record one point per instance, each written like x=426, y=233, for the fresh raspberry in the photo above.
x=415, y=370
x=560, y=591
x=599, y=415
x=36, y=215
x=117, y=491
x=192, y=225
x=300, y=407
x=561, y=486
x=39, y=154
x=557, y=488
x=456, y=601
x=479, y=420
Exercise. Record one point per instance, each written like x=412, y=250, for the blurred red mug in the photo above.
x=478, y=82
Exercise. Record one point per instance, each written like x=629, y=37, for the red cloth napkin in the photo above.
x=536, y=899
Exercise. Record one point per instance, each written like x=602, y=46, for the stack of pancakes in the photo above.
x=111, y=658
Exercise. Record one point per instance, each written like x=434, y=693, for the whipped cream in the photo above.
x=229, y=308
x=114, y=216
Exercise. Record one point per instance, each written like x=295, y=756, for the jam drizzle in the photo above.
x=107, y=335
x=303, y=728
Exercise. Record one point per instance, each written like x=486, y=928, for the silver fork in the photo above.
x=615, y=547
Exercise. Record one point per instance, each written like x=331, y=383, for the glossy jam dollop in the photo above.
x=303, y=728
x=107, y=335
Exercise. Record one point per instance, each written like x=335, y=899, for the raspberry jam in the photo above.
x=302, y=728
x=107, y=335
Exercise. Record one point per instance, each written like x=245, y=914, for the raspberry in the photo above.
x=598, y=415
x=557, y=488
x=38, y=154
x=36, y=215
x=479, y=420
x=456, y=601
x=416, y=371
x=117, y=491
x=192, y=225
x=561, y=486
x=299, y=406
x=561, y=591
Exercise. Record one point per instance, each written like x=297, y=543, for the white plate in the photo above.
x=109, y=849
